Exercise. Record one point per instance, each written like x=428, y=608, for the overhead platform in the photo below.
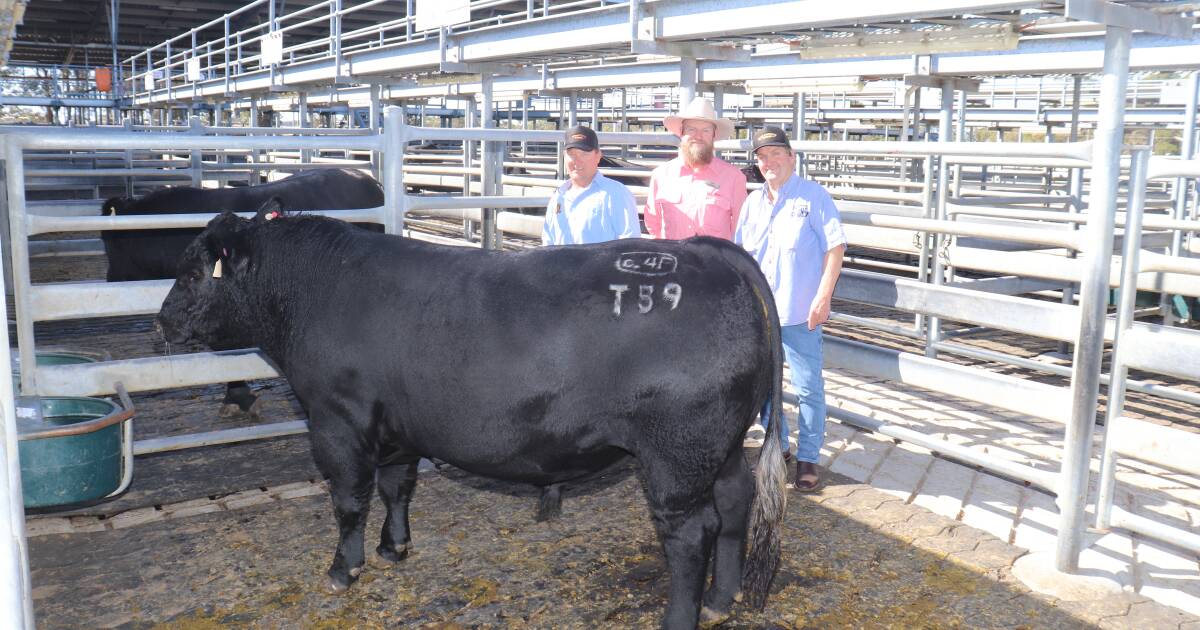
x=604, y=46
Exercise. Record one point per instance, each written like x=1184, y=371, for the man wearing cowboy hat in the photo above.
x=697, y=193
x=588, y=207
x=792, y=228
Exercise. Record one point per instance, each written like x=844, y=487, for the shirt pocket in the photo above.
x=717, y=212
x=787, y=231
x=671, y=194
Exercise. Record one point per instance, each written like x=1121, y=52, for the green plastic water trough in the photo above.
x=70, y=449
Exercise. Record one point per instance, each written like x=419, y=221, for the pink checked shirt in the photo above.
x=683, y=202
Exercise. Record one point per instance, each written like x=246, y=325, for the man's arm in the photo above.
x=818, y=312
x=547, y=236
x=738, y=199
x=650, y=212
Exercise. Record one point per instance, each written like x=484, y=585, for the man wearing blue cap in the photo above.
x=588, y=207
x=792, y=228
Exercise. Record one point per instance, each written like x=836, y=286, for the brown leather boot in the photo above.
x=808, y=477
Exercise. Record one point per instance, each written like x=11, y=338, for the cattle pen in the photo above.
x=1011, y=359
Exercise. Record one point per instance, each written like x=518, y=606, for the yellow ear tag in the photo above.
x=217, y=269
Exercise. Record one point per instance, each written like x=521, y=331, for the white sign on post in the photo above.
x=272, y=48
x=433, y=14
x=193, y=69
x=149, y=79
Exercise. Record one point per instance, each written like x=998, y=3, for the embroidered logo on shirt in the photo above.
x=800, y=208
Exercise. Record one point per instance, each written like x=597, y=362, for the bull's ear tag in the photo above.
x=217, y=269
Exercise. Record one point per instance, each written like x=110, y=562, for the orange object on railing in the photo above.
x=104, y=79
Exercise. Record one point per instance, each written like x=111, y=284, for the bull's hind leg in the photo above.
x=732, y=494
x=687, y=525
x=351, y=475
x=397, y=476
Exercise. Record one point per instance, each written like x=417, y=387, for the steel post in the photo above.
x=195, y=127
x=933, y=332
x=1075, y=182
x=472, y=119
x=492, y=165
x=687, y=81
x=1118, y=371
x=798, y=123
x=394, y=137
x=16, y=598
x=373, y=123
x=302, y=114
x=1089, y=346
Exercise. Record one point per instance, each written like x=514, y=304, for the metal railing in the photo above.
x=1159, y=349
x=923, y=297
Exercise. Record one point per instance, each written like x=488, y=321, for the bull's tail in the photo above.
x=770, y=497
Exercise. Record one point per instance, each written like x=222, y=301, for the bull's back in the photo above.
x=154, y=254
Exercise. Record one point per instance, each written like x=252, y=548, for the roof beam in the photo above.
x=1110, y=14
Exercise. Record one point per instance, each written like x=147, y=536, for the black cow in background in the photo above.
x=154, y=254
x=540, y=366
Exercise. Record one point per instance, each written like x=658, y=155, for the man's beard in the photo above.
x=696, y=153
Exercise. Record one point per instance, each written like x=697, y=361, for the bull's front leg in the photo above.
x=397, y=477
x=351, y=476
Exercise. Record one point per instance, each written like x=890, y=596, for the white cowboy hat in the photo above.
x=699, y=109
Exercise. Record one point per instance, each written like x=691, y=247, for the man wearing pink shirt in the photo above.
x=697, y=193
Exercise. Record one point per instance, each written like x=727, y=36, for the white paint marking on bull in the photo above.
x=647, y=263
x=618, y=290
x=645, y=298
x=672, y=292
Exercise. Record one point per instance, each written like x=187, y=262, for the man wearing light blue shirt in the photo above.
x=588, y=207
x=792, y=228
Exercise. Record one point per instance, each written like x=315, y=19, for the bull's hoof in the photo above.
x=389, y=556
x=340, y=584
x=234, y=410
x=710, y=618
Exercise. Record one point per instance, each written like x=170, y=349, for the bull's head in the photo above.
x=114, y=206
x=209, y=298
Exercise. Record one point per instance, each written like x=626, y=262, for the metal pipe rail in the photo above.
x=46, y=224
x=1052, y=238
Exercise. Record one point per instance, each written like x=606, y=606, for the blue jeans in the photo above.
x=802, y=349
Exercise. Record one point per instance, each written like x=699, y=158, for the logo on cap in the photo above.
x=766, y=135
x=578, y=136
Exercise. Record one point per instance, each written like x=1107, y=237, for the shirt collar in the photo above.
x=565, y=187
x=786, y=191
x=707, y=169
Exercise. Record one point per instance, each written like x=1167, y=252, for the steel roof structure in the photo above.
x=176, y=52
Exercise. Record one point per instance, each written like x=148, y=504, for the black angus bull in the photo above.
x=539, y=367
x=154, y=254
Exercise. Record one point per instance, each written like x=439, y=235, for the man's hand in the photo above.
x=818, y=313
